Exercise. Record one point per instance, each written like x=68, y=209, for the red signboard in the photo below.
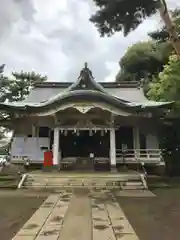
x=48, y=159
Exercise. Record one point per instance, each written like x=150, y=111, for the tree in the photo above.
x=166, y=87
x=126, y=15
x=143, y=60
x=18, y=86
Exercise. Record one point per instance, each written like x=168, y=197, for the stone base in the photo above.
x=113, y=168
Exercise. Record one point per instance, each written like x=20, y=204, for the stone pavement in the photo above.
x=135, y=193
x=79, y=215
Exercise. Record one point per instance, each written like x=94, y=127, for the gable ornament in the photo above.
x=83, y=109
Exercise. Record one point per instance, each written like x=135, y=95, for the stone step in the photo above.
x=81, y=180
x=80, y=186
x=73, y=185
x=106, y=182
x=118, y=177
x=133, y=183
x=132, y=187
x=74, y=181
x=70, y=187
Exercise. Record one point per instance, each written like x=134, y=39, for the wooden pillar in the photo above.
x=33, y=130
x=113, y=149
x=136, y=140
x=56, y=147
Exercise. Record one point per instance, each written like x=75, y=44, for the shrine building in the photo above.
x=86, y=124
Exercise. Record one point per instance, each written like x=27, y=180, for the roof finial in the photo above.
x=86, y=72
x=85, y=65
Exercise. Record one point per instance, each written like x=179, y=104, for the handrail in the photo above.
x=141, y=164
x=152, y=154
x=140, y=156
x=24, y=176
x=141, y=150
x=144, y=180
x=136, y=157
x=144, y=175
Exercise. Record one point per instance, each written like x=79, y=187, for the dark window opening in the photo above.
x=43, y=132
x=124, y=136
x=142, y=141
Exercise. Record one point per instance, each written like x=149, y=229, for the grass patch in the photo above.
x=8, y=178
x=9, y=181
x=163, y=182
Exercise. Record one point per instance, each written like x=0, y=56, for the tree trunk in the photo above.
x=174, y=38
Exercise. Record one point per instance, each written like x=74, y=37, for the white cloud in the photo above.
x=56, y=38
x=11, y=11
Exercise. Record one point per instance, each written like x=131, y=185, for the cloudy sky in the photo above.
x=55, y=37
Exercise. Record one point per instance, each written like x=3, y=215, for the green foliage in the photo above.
x=121, y=15
x=18, y=86
x=4, y=85
x=166, y=87
x=170, y=139
x=142, y=60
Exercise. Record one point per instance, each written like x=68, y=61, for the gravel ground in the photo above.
x=15, y=210
x=157, y=217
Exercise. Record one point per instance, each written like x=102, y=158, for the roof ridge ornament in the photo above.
x=86, y=81
x=85, y=72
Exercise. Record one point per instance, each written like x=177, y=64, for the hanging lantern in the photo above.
x=61, y=130
x=78, y=133
x=90, y=133
x=65, y=133
x=102, y=133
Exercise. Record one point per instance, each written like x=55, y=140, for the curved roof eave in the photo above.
x=68, y=97
x=153, y=104
x=80, y=96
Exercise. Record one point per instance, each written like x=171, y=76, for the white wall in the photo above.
x=30, y=147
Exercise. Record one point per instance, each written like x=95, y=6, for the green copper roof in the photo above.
x=69, y=97
x=85, y=89
x=78, y=96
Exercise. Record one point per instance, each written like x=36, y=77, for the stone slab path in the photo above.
x=78, y=215
x=135, y=193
